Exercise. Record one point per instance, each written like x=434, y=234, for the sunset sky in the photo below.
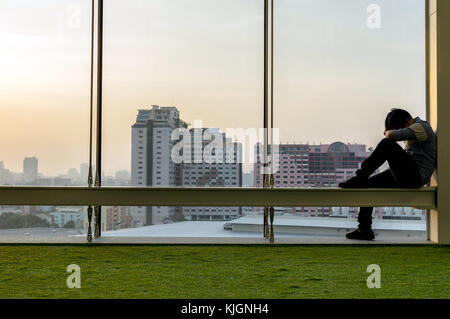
x=335, y=78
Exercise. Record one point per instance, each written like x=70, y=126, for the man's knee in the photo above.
x=387, y=144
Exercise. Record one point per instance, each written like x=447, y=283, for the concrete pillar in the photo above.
x=438, y=111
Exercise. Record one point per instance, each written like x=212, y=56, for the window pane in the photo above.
x=43, y=224
x=193, y=65
x=44, y=91
x=69, y=224
x=340, y=66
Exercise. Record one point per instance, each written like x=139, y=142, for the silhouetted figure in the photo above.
x=411, y=167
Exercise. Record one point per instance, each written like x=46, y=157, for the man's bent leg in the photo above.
x=386, y=150
x=384, y=179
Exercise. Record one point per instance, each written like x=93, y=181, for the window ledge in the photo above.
x=424, y=198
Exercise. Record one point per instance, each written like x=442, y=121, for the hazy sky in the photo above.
x=335, y=78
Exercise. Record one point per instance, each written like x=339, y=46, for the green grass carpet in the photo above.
x=185, y=271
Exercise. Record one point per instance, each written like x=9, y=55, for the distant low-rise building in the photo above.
x=11, y=209
x=63, y=215
x=324, y=165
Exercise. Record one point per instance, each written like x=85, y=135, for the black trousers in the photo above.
x=402, y=173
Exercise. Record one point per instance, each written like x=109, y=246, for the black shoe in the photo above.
x=361, y=235
x=361, y=175
x=354, y=182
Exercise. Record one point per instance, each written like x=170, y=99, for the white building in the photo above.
x=151, y=163
x=63, y=215
x=11, y=209
x=223, y=168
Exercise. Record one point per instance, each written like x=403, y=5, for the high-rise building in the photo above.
x=84, y=171
x=324, y=165
x=30, y=170
x=151, y=163
x=5, y=175
x=117, y=217
x=223, y=169
x=73, y=174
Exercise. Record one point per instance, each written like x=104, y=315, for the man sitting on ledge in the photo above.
x=411, y=167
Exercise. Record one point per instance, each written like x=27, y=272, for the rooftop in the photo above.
x=246, y=230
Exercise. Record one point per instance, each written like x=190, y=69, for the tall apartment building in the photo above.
x=151, y=163
x=325, y=165
x=30, y=170
x=223, y=169
x=117, y=217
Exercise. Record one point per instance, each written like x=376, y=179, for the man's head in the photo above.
x=397, y=119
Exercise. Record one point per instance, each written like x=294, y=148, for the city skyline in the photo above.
x=76, y=175
x=79, y=171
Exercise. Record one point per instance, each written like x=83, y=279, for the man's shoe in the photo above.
x=361, y=175
x=354, y=182
x=361, y=235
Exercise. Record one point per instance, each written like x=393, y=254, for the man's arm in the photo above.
x=390, y=134
x=415, y=132
x=403, y=134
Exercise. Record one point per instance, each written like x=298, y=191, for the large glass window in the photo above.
x=339, y=67
x=44, y=92
x=195, y=66
x=179, y=75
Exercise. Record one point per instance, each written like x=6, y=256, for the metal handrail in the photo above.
x=424, y=198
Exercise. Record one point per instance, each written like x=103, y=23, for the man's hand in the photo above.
x=389, y=134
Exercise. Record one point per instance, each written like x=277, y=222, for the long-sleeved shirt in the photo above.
x=421, y=143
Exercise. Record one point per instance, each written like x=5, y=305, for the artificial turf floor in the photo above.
x=223, y=271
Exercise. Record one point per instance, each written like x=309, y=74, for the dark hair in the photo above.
x=396, y=119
